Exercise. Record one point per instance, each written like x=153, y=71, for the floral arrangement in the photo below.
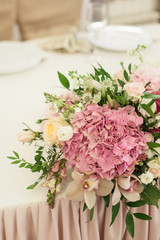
x=101, y=137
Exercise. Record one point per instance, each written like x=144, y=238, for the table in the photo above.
x=21, y=100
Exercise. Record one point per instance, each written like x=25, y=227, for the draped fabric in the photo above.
x=67, y=221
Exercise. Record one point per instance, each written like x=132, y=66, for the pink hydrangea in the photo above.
x=146, y=74
x=106, y=141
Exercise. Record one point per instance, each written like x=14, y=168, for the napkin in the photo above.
x=70, y=43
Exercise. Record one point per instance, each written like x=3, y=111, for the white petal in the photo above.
x=104, y=188
x=131, y=196
x=90, y=198
x=75, y=191
x=116, y=195
x=124, y=182
x=78, y=177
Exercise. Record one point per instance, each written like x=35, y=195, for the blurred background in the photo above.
x=29, y=19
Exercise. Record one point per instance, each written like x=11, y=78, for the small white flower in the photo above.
x=97, y=98
x=75, y=83
x=146, y=178
x=142, y=111
x=96, y=85
x=77, y=109
x=65, y=133
x=149, y=153
x=87, y=97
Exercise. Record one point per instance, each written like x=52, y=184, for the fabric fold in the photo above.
x=67, y=221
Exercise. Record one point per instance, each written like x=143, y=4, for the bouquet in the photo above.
x=101, y=138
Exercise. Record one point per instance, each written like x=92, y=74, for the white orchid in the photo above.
x=124, y=186
x=87, y=187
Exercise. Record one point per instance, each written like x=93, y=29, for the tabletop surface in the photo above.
x=22, y=100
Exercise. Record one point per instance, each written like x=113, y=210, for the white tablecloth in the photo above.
x=22, y=100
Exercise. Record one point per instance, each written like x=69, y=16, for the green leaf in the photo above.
x=148, y=109
x=129, y=68
x=22, y=165
x=115, y=210
x=136, y=204
x=106, y=200
x=151, y=124
x=16, y=154
x=151, y=194
x=126, y=75
x=12, y=158
x=153, y=144
x=91, y=214
x=150, y=96
x=130, y=224
x=16, y=162
x=28, y=166
x=84, y=207
x=121, y=83
x=142, y=216
x=64, y=81
x=33, y=185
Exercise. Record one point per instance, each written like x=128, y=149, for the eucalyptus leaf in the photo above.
x=33, y=185
x=64, y=81
x=130, y=224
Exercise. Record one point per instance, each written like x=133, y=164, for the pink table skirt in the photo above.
x=67, y=221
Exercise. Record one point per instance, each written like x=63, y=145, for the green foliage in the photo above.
x=115, y=210
x=106, y=200
x=64, y=81
x=151, y=194
x=142, y=216
x=130, y=224
x=91, y=214
x=136, y=204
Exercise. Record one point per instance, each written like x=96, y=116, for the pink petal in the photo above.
x=74, y=191
x=104, y=188
x=90, y=198
x=116, y=195
x=124, y=182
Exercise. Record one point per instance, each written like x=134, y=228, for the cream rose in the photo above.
x=154, y=167
x=26, y=136
x=134, y=90
x=50, y=129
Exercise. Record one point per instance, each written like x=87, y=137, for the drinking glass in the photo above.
x=95, y=19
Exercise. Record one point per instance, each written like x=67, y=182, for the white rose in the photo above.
x=146, y=178
x=142, y=111
x=154, y=167
x=134, y=89
x=26, y=136
x=65, y=133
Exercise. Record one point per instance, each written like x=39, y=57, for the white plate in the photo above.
x=17, y=57
x=121, y=38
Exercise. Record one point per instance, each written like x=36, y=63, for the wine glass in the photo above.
x=95, y=19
